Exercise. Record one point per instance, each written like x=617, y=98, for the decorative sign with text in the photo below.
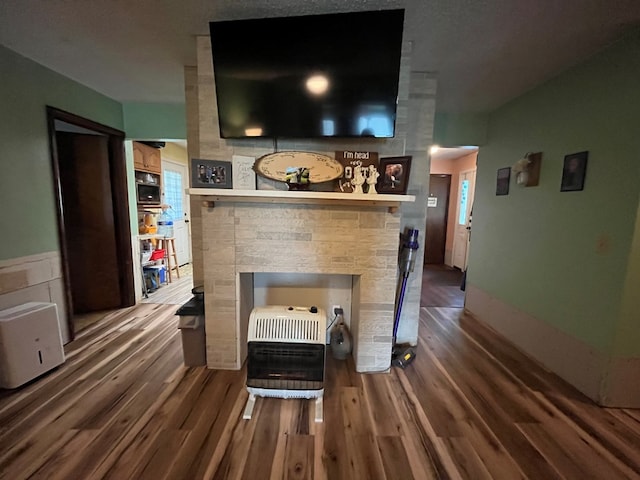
x=351, y=160
x=244, y=178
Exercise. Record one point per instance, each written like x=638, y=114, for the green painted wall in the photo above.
x=155, y=121
x=563, y=257
x=627, y=342
x=454, y=130
x=26, y=184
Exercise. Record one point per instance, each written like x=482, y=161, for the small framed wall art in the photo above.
x=502, y=181
x=211, y=174
x=394, y=175
x=574, y=171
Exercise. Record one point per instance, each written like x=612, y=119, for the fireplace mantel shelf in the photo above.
x=300, y=197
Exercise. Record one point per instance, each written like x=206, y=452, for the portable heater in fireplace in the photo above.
x=286, y=352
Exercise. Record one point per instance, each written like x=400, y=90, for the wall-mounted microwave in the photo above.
x=147, y=188
x=148, y=194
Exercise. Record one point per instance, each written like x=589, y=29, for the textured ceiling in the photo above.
x=485, y=52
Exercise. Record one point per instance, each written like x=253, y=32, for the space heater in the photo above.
x=286, y=353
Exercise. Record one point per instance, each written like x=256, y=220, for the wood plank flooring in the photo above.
x=470, y=406
x=177, y=292
x=441, y=287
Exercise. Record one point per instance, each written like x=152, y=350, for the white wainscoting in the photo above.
x=34, y=278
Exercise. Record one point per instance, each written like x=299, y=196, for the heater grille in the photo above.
x=286, y=366
x=287, y=324
x=289, y=329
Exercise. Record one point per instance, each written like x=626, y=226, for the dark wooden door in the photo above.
x=89, y=225
x=437, y=208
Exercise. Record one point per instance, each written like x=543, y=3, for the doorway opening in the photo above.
x=172, y=170
x=448, y=228
x=90, y=183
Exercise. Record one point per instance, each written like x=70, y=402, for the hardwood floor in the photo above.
x=470, y=406
x=177, y=292
x=441, y=287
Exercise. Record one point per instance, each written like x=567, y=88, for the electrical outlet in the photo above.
x=336, y=309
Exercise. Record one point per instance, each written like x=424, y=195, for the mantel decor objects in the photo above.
x=394, y=175
x=211, y=173
x=350, y=161
x=574, y=171
x=278, y=166
x=244, y=177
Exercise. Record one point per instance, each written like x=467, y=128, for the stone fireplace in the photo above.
x=239, y=239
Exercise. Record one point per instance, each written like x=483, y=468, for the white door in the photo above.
x=174, y=184
x=466, y=188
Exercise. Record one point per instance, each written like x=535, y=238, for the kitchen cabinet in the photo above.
x=146, y=158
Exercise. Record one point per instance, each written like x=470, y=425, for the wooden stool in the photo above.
x=169, y=245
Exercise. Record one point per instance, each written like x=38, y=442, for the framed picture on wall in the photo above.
x=574, y=171
x=502, y=181
x=394, y=175
x=211, y=174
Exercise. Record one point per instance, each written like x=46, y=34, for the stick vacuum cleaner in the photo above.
x=403, y=354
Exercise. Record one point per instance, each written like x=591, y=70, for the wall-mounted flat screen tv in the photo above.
x=312, y=76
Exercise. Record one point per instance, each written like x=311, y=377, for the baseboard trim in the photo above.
x=621, y=388
x=610, y=382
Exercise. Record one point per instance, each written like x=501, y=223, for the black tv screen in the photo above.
x=330, y=75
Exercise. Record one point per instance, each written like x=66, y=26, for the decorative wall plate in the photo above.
x=322, y=168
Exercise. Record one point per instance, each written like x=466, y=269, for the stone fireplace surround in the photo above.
x=239, y=239
x=414, y=134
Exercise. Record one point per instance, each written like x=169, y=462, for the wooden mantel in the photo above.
x=209, y=197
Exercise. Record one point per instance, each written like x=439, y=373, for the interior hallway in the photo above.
x=441, y=287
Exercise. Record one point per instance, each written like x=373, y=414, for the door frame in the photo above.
x=119, y=199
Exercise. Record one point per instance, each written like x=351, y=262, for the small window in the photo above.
x=173, y=193
x=464, y=199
